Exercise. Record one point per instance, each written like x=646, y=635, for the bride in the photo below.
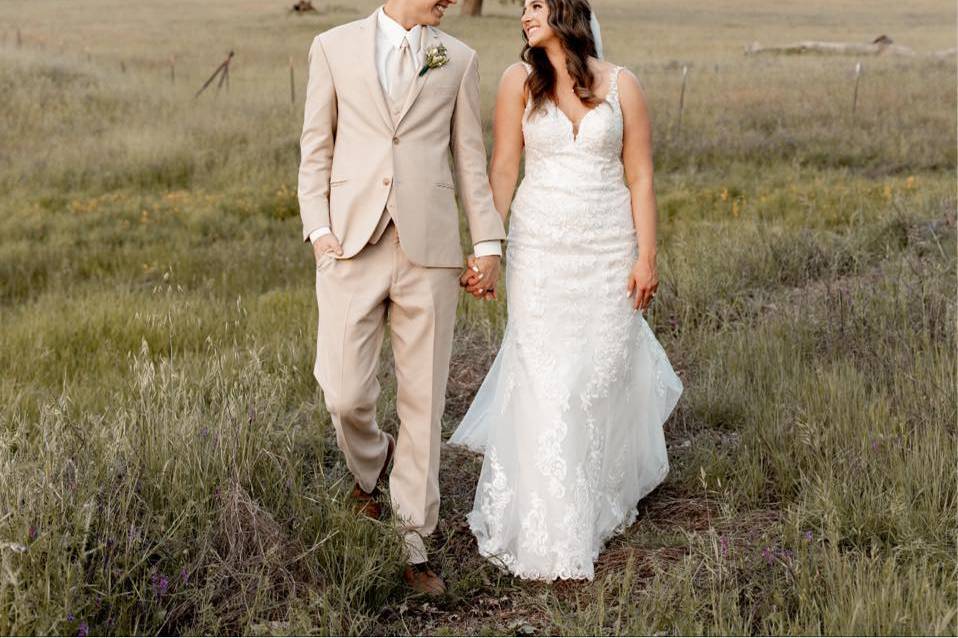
x=570, y=415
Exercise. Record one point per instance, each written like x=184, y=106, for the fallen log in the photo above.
x=829, y=48
x=882, y=46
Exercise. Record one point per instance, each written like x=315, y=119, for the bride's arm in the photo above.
x=507, y=138
x=506, y=152
x=637, y=160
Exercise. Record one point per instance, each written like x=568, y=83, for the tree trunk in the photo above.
x=472, y=7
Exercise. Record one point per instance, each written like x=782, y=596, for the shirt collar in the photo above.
x=394, y=32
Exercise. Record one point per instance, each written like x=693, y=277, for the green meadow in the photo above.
x=167, y=464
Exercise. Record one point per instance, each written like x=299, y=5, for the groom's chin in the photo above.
x=436, y=14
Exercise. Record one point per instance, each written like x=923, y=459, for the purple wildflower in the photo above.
x=70, y=617
x=184, y=576
x=32, y=534
x=84, y=630
x=808, y=536
x=161, y=585
x=723, y=545
x=874, y=445
x=768, y=555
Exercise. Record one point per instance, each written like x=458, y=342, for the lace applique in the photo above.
x=535, y=538
x=496, y=495
x=550, y=461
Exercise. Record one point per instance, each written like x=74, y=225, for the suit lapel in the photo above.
x=366, y=62
x=430, y=38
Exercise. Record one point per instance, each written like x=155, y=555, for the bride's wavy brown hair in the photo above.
x=571, y=22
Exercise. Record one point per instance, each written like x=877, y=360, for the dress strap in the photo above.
x=528, y=68
x=613, y=95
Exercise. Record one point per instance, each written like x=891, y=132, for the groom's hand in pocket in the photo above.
x=325, y=244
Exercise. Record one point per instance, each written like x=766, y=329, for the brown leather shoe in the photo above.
x=424, y=580
x=367, y=503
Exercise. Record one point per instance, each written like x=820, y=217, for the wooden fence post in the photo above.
x=224, y=78
x=292, y=83
x=858, y=77
x=685, y=77
x=223, y=70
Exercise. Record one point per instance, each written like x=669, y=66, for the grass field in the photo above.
x=167, y=465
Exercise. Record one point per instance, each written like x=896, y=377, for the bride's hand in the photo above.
x=643, y=282
x=481, y=276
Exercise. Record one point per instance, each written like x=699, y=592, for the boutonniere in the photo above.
x=436, y=56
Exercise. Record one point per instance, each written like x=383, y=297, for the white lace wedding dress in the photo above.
x=570, y=414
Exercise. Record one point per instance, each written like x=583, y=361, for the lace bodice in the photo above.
x=574, y=185
x=554, y=152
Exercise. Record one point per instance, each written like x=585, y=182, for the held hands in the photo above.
x=326, y=244
x=481, y=276
x=642, y=284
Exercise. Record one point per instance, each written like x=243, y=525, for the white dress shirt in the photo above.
x=389, y=37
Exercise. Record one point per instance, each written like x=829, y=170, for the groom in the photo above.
x=388, y=98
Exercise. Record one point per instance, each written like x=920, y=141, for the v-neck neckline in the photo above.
x=577, y=128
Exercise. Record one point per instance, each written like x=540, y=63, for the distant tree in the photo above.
x=472, y=8
x=303, y=6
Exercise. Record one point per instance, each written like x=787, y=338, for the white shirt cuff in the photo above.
x=487, y=248
x=319, y=232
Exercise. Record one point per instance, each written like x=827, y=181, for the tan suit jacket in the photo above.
x=358, y=158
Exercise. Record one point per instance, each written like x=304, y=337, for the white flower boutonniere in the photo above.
x=436, y=56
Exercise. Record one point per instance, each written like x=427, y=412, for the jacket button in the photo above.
x=386, y=181
x=396, y=141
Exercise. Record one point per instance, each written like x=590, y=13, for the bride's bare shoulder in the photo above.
x=515, y=72
x=513, y=81
x=629, y=83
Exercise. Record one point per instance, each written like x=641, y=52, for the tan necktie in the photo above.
x=402, y=72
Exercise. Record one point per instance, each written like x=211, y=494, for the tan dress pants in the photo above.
x=355, y=297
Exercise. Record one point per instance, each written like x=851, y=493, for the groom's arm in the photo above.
x=469, y=156
x=316, y=144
